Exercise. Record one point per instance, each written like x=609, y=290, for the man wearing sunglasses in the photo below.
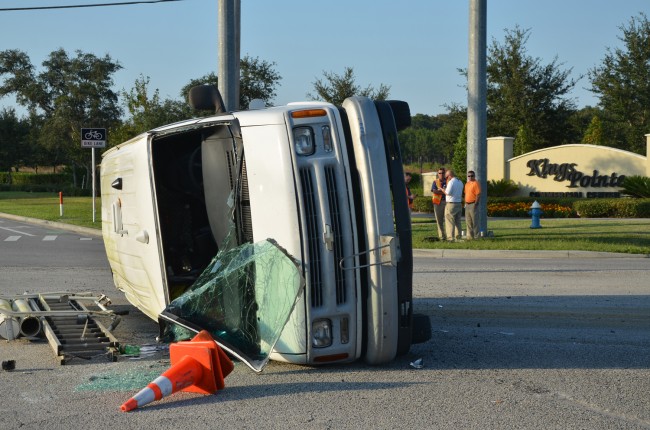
x=472, y=194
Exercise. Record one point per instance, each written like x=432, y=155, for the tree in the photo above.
x=459, y=159
x=13, y=137
x=336, y=88
x=147, y=112
x=594, y=134
x=257, y=80
x=417, y=145
x=524, y=141
x=521, y=91
x=622, y=83
x=431, y=139
x=69, y=93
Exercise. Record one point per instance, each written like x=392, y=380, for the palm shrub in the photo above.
x=501, y=188
x=636, y=186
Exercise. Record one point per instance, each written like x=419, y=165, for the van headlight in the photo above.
x=303, y=140
x=321, y=333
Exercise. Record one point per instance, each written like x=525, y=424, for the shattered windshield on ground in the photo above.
x=243, y=298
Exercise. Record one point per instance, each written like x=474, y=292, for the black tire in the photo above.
x=421, y=328
x=401, y=113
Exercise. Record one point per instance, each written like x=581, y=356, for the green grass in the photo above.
x=557, y=234
x=605, y=235
x=76, y=210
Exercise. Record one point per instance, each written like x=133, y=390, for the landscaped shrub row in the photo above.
x=68, y=190
x=558, y=208
x=21, y=178
x=613, y=208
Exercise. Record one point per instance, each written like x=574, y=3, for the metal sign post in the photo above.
x=93, y=138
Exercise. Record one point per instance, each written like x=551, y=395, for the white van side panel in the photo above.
x=129, y=226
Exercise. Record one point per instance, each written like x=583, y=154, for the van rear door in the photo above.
x=130, y=225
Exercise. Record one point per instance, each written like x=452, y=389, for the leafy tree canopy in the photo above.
x=521, y=91
x=335, y=88
x=13, y=133
x=622, y=83
x=258, y=80
x=69, y=93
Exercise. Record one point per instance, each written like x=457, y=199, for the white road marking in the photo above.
x=85, y=238
x=12, y=238
x=15, y=231
x=49, y=238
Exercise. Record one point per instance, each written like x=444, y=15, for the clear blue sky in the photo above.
x=413, y=46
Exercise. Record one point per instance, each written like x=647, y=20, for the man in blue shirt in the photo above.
x=453, y=208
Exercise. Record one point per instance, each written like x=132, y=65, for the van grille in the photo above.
x=335, y=217
x=321, y=267
x=314, y=256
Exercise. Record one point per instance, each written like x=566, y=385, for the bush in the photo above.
x=67, y=190
x=22, y=178
x=423, y=204
x=501, y=188
x=613, y=208
x=636, y=186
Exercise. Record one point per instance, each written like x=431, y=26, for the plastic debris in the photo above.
x=141, y=351
x=417, y=364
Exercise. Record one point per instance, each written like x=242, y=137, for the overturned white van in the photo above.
x=324, y=183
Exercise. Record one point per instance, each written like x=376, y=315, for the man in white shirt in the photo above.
x=454, y=208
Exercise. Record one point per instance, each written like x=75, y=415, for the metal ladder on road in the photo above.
x=71, y=329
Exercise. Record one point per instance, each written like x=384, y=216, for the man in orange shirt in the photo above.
x=472, y=194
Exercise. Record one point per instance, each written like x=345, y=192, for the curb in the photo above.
x=520, y=254
x=59, y=225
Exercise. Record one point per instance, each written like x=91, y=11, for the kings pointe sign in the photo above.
x=573, y=170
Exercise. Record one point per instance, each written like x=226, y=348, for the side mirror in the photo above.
x=206, y=97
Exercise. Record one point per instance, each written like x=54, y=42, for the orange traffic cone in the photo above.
x=199, y=366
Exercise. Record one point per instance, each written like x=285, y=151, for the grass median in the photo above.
x=604, y=235
x=45, y=206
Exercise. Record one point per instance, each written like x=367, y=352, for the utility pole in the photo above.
x=229, y=22
x=477, y=102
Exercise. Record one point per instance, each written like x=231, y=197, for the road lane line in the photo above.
x=49, y=238
x=16, y=231
x=12, y=238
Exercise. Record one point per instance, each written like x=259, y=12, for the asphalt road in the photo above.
x=520, y=340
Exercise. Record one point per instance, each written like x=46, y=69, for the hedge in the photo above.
x=557, y=207
x=21, y=178
x=613, y=208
